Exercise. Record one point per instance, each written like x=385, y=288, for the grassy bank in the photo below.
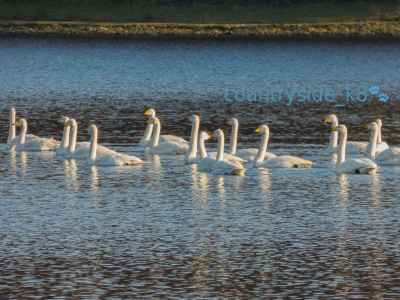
x=308, y=31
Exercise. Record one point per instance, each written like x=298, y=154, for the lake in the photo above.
x=166, y=230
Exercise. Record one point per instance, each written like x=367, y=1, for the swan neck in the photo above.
x=234, y=137
x=11, y=129
x=221, y=145
x=24, y=129
x=156, y=133
x=65, y=137
x=342, y=148
x=202, y=148
x=73, y=137
x=93, y=144
x=379, y=137
x=194, y=137
x=262, y=150
x=333, y=139
x=371, y=151
x=148, y=132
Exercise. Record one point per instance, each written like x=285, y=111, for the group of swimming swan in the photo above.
x=234, y=163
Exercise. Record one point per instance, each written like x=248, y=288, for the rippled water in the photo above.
x=69, y=230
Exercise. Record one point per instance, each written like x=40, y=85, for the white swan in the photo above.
x=217, y=166
x=248, y=154
x=191, y=155
x=77, y=150
x=63, y=150
x=11, y=133
x=353, y=147
x=169, y=146
x=107, y=157
x=29, y=142
x=284, y=161
x=381, y=145
x=355, y=165
x=389, y=156
x=146, y=140
x=11, y=128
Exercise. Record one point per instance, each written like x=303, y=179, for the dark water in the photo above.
x=165, y=230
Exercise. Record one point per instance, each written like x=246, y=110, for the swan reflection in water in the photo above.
x=94, y=179
x=23, y=162
x=221, y=190
x=264, y=181
x=13, y=161
x=344, y=189
x=71, y=177
x=200, y=184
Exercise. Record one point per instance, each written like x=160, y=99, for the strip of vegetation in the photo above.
x=202, y=11
x=357, y=30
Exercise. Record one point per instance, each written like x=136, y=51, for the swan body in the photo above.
x=29, y=142
x=106, y=157
x=218, y=166
x=355, y=165
x=284, y=161
x=171, y=146
x=248, y=154
x=389, y=157
x=146, y=140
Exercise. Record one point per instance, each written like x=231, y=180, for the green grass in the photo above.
x=148, y=11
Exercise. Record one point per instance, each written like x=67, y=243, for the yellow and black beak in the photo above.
x=258, y=130
x=147, y=112
x=327, y=120
x=364, y=126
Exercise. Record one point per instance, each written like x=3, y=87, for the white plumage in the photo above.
x=30, y=142
x=219, y=165
x=355, y=165
x=103, y=156
x=146, y=140
x=172, y=146
x=353, y=147
x=273, y=161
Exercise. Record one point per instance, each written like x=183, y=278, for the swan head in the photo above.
x=379, y=122
x=218, y=133
x=331, y=119
x=21, y=123
x=194, y=118
x=150, y=112
x=233, y=121
x=153, y=120
x=204, y=135
x=342, y=129
x=92, y=129
x=72, y=123
x=373, y=126
x=262, y=129
x=64, y=120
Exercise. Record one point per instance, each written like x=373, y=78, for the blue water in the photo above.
x=165, y=230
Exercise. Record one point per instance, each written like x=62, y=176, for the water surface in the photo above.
x=68, y=229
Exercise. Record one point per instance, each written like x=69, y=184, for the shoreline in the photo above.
x=368, y=31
